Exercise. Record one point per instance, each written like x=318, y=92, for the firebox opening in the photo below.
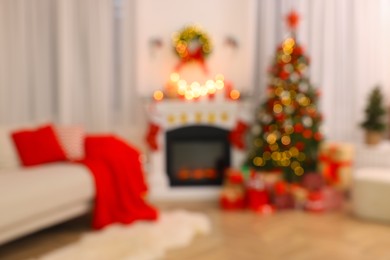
x=197, y=155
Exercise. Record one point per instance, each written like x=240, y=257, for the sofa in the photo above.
x=50, y=174
x=37, y=197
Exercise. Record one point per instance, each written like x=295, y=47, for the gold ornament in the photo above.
x=286, y=140
x=183, y=118
x=198, y=117
x=258, y=161
x=224, y=117
x=171, y=119
x=211, y=118
x=278, y=108
x=271, y=138
x=298, y=171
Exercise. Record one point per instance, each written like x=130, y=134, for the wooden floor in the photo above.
x=244, y=235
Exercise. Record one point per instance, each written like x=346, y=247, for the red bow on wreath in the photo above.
x=197, y=56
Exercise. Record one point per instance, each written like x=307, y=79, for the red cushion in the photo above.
x=38, y=146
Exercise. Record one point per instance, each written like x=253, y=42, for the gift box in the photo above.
x=333, y=198
x=335, y=164
x=313, y=181
x=256, y=199
x=232, y=198
x=257, y=195
x=315, y=201
x=300, y=195
x=269, y=178
x=233, y=177
x=284, y=201
x=233, y=191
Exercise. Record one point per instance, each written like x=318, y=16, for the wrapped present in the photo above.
x=281, y=188
x=300, y=195
x=232, y=198
x=233, y=191
x=333, y=198
x=284, y=201
x=269, y=178
x=315, y=201
x=282, y=196
x=313, y=181
x=257, y=196
x=335, y=163
x=256, y=199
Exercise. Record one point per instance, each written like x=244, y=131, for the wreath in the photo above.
x=191, y=44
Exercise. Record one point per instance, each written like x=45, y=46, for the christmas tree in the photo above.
x=374, y=112
x=286, y=133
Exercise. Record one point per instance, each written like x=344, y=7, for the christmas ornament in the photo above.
x=192, y=44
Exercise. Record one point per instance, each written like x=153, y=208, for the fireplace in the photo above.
x=197, y=155
x=192, y=147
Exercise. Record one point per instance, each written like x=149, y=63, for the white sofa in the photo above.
x=36, y=197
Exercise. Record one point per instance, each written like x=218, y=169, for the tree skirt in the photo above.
x=139, y=241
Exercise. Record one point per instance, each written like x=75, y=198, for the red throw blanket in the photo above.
x=119, y=182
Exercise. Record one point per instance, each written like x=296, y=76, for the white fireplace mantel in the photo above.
x=173, y=114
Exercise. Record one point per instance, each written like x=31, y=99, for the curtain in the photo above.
x=58, y=62
x=86, y=63
x=347, y=42
x=27, y=61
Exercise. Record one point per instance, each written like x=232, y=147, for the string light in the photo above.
x=286, y=140
x=158, y=95
x=299, y=171
x=278, y=108
x=267, y=155
x=294, y=165
x=271, y=138
x=258, y=161
x=274, y=147
x=294, y=151
x=195, y=89
x=234, y=94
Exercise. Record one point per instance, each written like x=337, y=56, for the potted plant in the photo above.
x=374, y=123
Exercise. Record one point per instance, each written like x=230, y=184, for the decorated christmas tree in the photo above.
x=374, y=112
x=286, y=134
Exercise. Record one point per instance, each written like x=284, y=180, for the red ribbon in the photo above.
x=331, y=166
x=197, y=56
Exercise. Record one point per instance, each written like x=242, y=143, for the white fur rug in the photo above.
x=139, y=241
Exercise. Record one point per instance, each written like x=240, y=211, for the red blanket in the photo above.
x=119, y=182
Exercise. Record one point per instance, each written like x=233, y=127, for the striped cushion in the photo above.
x=72, y=140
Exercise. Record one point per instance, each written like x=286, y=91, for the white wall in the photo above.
x=219, y=18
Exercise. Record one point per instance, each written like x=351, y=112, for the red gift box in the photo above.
x=257, y=198
x=333, y=198
x=335, y=163
x=315, y=202
x=232, y=204
x=284, y=201
x=313, y=181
